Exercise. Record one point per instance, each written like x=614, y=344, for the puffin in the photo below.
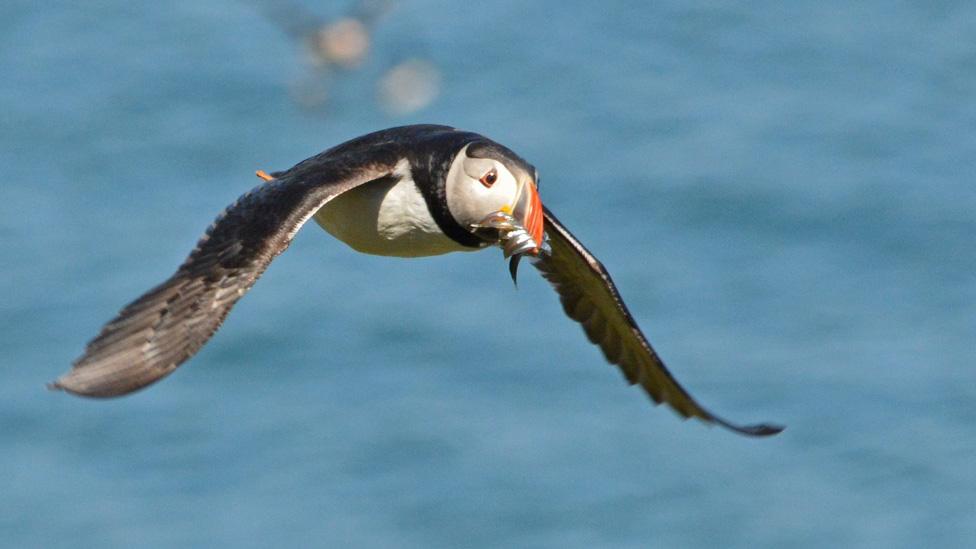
x=408, y=191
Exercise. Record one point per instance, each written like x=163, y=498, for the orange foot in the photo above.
x=263, y=175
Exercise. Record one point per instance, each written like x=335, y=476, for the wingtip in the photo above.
x=63, y=384
x=75, y=383
x=757, y=430
x=764, y=429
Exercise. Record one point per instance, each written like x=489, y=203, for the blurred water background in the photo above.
x=784, y=193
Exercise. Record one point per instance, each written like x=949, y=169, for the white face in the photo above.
x=477, y=187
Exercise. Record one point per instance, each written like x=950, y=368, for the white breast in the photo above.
x=386, y=218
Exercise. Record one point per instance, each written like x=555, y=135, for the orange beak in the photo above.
x=528, y=212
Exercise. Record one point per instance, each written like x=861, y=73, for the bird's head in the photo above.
x=492, y=192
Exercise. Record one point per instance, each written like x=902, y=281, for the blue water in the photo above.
x=784, y=192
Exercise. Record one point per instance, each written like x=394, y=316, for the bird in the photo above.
x=407, y=191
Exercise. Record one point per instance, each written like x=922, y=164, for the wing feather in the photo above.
x=167, y=325
x=589, y=296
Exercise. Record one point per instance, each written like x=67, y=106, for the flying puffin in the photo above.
x=408, y=191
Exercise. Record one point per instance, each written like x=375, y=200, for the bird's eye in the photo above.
x=489, y=178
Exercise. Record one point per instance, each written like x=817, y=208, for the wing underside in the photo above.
x=589, y=296
x=167, y=325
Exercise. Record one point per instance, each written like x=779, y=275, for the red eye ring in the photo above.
x=489, y=178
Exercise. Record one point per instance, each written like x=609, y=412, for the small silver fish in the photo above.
x=514, y=240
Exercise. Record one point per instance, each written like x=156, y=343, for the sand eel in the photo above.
x=409, y=191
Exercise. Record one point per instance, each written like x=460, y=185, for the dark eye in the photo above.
x=489, y=178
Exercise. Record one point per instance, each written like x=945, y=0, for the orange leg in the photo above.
x=263, y=175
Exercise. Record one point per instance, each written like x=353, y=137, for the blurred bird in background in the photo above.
x=338, y=48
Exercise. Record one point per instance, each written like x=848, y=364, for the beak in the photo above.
x=528, y=212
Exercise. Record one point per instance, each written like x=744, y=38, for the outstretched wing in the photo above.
x=589, y=297
x=171, y=322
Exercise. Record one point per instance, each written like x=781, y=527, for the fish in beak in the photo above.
x=528, y=238
x=519, y=228
x=528, y=213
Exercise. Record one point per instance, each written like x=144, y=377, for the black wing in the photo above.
x=171, y=322
x=589, y=297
